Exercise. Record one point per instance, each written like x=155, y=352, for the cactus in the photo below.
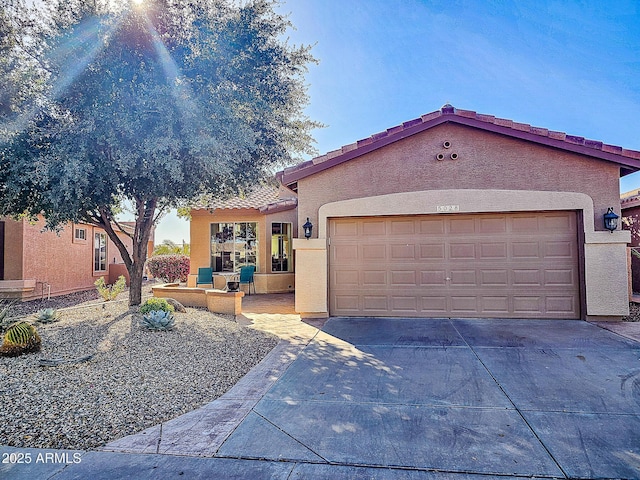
x=20, y=338
x=47, y=315
x=158, y=320
x=156, y=304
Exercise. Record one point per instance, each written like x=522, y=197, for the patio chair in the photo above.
x=205, y=276
x=246, y=276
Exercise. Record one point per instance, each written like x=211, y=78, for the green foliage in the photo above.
x=155, y=304
x=5, y=314
x=47, y=315
x=171, y=248
x=107, y=292
x=20, y=338
x=155, y=105
x=158, y=320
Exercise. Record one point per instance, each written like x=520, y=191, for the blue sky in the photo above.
x=571, y=66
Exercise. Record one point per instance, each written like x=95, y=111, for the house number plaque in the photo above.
x=447, y=208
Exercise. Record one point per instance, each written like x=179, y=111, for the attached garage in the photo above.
x=459, y=214
x=491, y=265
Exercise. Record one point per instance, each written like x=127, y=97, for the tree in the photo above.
x=155, y=105
x=168, y=247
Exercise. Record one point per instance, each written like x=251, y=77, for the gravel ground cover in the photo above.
x=634, y=313
x=136, y=378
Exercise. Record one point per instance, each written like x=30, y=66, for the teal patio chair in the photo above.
x=205, y=276
x=246, y=276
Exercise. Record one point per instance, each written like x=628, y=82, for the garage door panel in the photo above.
x=403, y=252
x=485, y=265
x=372, y=253
x=464, y=304
x=432, y=226
x=403, y=227
x=404, y=278
x=494, y=278
x=462, y=251
x=371, y=228
x=463, y=278
x=375, y=303
x=529, y=278
x=345, y=278
x=404, y=304
x=344, y=252
x=564, y=249
x=429, y=278
x=462, y=225
x=374, y=278
x=432, y=252
x=493, y=250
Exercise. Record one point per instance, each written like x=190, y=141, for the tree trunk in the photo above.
x=136, y=272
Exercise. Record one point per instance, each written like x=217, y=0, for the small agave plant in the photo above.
x=47, y=315
x=158, y=320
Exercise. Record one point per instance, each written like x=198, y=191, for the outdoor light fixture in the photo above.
x=610, y=220
x=307, y=229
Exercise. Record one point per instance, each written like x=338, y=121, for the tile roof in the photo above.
x=630, y=199
x=265, y=198
x=629, y=160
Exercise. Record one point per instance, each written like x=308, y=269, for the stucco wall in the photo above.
x=56, y=259
x=485, y=161
x=492, y=173
x=13, y=249
x=200, y=232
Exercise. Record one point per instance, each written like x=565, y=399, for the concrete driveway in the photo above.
x=406, y=398
x=504, y=397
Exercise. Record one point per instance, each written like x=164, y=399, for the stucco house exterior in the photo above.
x=630, y=207
x=460, y=214
x=36, y=263
x=255, y=229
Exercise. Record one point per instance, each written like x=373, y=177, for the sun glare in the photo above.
x=137, y=3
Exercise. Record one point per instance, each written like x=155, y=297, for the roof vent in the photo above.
x=447, y=108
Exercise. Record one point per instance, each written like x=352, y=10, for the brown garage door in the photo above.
x=522, y=265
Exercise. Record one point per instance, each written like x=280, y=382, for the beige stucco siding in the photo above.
x=485, y=161
x=200, y=232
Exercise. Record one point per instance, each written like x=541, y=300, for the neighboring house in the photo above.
x=630, y=206
x=36, y=263
x=256, y=230
x=458, y=214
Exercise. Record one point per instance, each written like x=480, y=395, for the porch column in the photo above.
x=605, y=264
x=311, y=277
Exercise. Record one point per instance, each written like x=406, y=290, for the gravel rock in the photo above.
x=136, y=378
x=634, y=313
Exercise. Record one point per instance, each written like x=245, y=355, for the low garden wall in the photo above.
x=216, y=301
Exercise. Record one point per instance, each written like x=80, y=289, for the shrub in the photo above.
x=110, y=292
x=47, y=315
x=169, y=268
x=156, y=304
x=158, y=320
x=20, y=338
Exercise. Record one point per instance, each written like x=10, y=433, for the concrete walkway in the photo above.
x=397, y=398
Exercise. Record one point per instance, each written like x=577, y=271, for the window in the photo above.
x=100, y=252
x=233, y=245
x=281, y=247
x=80, y=234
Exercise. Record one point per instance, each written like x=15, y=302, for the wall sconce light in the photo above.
x=307, y=229
x=610, y=220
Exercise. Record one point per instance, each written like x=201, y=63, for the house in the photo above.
x=630, y=207
x=36, y=263
x=459, y=214
x=255, y=229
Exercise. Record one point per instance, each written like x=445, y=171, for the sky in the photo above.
x=570, y=66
